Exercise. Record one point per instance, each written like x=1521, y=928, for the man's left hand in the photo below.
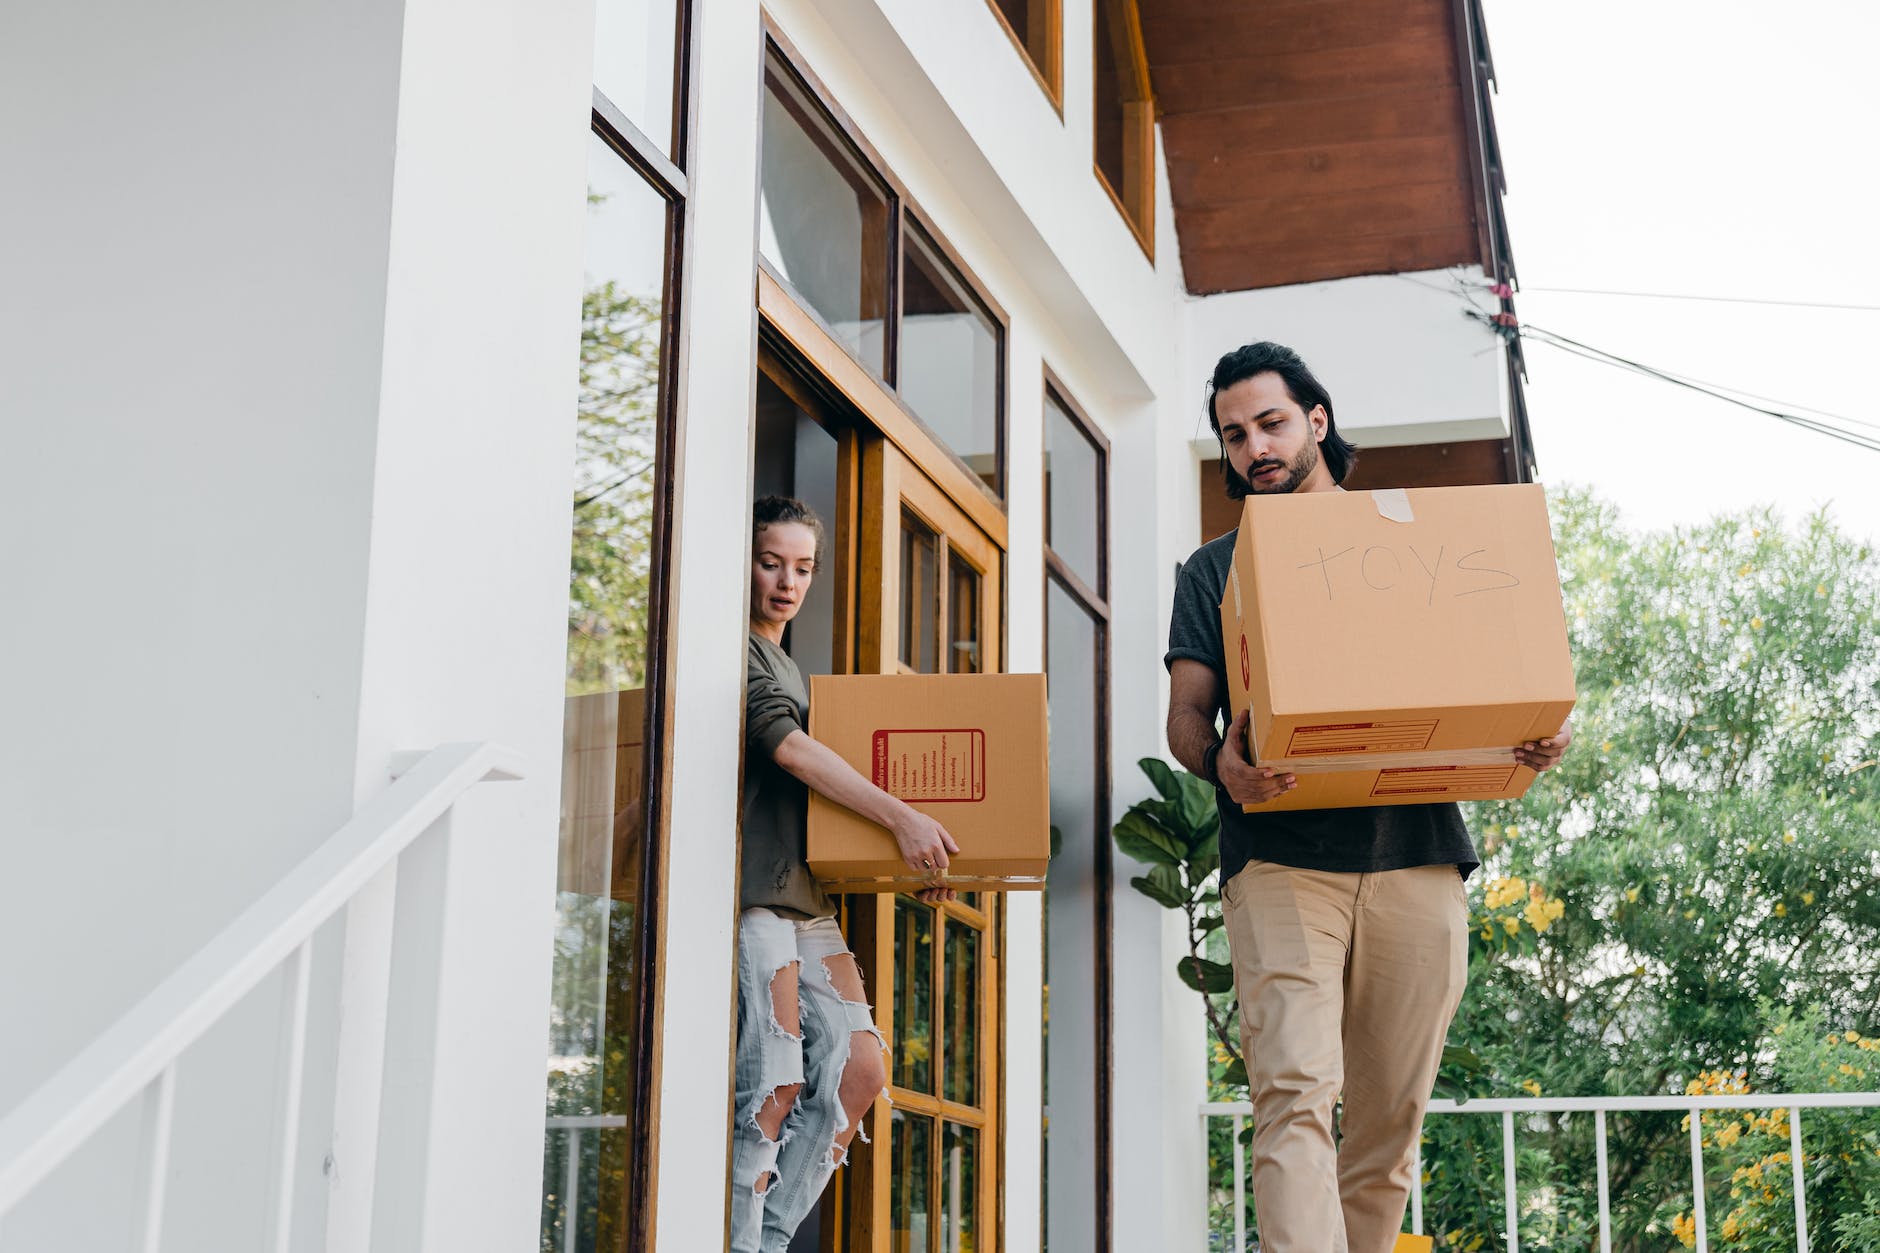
x=1545, y=754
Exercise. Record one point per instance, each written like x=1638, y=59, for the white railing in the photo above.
x=1599, y=1107
x=138, y=1055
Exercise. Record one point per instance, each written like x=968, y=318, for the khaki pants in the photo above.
x=1347, y=983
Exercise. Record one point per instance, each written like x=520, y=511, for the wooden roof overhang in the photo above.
x=1322, y=139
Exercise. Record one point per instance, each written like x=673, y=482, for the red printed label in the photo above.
x=1246, y=665
x=1339, y=738
x=1442, y=780
x=936, y=766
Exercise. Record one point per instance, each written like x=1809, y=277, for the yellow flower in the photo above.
x=1605, y=746
x=1684, y=1227
x=1728, y=1135
x=1846, y=1069
x=1510, y=925
x=1781, y=910
x=1808, y=898
x=1851, y=1036
x=1788, y=837
x=1689, y=914
x=1755, y=624
x=1743, y=570
x=1631, y=894
x=1821, y=589
x=1532, y=1085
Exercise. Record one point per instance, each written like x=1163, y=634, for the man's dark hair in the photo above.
x=1306, y=391
x=774, y=510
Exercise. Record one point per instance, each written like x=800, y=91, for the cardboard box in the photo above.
x=1396, y=646
x=969, y=750
x=603, y=768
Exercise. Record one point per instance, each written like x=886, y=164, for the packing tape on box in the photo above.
x=1394, y=503
x=1390, y=761
x=915, y=883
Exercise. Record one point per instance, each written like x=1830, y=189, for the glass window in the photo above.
x=959, y=1188
x=949, y=358
x=963, y=656
x=594, y=1011
x=920, y=595
x=961, y=983
x=823, y=218
x=1034, y=27
x=1125, y=114
x=1073, y=486
x=911, y=1166
x=636, y=62
x=913, y=995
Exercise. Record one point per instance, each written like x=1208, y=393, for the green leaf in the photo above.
x=1169, y=880
x=1209, y=922
x=1155, y=893
x=1146, y=841
x=1197, y=800
x=1205, y=976
x=1459, y=1055
x=1162, y=777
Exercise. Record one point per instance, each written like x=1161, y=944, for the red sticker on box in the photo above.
x=936, y=766
x=1246, y=666
x=1339, y=738
x=1442, y=780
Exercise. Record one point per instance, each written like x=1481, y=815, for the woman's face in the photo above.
x=783, y=560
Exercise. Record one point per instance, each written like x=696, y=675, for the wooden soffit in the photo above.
x=1316, y=139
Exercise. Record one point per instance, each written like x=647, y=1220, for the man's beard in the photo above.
x=1297, y=472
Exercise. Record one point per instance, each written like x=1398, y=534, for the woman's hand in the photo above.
x=924, y=842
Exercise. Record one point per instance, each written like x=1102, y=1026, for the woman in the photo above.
x=809, y=1059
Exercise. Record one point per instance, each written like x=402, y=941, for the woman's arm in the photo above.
x=924, y=843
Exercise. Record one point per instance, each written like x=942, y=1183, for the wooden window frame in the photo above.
x=1050, y=75
x=901, y=205
x=1135, y=200
x=667, y=178
x=1095, y=603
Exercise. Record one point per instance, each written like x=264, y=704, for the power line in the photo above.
x=1563, y=343
x=1728, y=300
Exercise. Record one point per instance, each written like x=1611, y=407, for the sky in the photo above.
x=1716, y=149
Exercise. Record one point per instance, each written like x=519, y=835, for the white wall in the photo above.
x=288, y=338
x=1402, y=362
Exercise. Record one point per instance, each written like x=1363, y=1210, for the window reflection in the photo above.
x=949, y=357
x=959, y=1188
x=920, y=594
x=1073, y=475
x=963, y=655
x=911, y=1164
x=595, y=993
x=1125, y=114
x=913, y=995
x=636, y=58
x=823, y=218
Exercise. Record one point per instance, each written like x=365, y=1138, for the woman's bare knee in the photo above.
x=776, y=1108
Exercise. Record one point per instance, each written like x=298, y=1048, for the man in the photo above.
x=1348, y=927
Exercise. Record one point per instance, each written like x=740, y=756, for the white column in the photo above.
x=466, y=598
x=717, y=372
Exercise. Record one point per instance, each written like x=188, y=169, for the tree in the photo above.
x=1696, y=878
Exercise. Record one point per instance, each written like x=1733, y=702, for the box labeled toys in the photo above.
x=1395, y=646
x=969, y=750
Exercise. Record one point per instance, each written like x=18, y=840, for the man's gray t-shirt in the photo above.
x=1384, y=837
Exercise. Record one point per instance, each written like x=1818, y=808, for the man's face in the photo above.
x=1271, y=443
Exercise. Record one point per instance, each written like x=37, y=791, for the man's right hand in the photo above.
x=1247, y=783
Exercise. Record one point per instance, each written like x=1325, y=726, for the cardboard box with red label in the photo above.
x=1394, y=647
x=969, y=750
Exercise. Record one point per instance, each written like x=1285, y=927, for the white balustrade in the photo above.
x=136, y=1058
x=1599, y=1107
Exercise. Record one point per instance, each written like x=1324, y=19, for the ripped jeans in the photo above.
x=799, y=1163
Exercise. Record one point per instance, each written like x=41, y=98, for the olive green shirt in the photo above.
x=774, y=873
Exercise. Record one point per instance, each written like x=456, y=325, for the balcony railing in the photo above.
x=1599, y=1107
